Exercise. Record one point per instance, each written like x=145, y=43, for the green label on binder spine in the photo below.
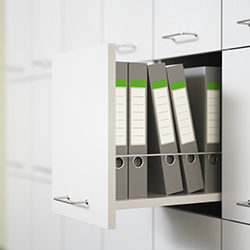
x=178, y=85
x=159, y=84
x=121, y=83
x=214, y=86
x=138, y=83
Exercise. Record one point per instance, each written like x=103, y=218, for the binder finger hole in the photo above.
x=190, y=159
x=170, y=160
x=137, y=161
x=119, y=163
x=213, y=159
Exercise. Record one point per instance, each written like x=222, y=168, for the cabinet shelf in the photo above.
x=155, y=200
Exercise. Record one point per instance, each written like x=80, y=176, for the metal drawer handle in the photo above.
x=246, y=22
x=66, y=199
x=125, y=48
x=15, y=69
x=43, y=64
x=244, y=204
x=172, y=36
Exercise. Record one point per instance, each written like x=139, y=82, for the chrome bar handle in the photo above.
x=43, y=64
x=245, y=22
x=125, y=48
x=66, y=199
x=244, y=204
x=15, y=69
x=172, y=36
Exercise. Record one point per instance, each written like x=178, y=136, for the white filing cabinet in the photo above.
x=83, y=24
x=17, y=37
x=186, y=27
x=46, y=226
x=41, y=105
x=18, y=220
x=129, y=24
x=133, y=230
x=235, y=134
x=235, y=235
x=236, y=20
x=179, y=230
x=46, y=33
x=18, y=127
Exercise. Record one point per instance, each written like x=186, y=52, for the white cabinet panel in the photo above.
x=18, y=126
x=46, y=33
x=18, y=213
x=235, y=235
x=79, y=235
x=193, y=16
x=129, y=23
x=41, y=126
x=180, y=230
x=83, y=134
x=17, y=37
x=82, y=24
x=235, y=134
x=46, y=226
x=234, y=34
x=133, y=230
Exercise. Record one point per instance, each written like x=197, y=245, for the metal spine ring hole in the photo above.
x=170, y=160
x=213, y=158
x=119, y=163
x=190, y=159
x=138, y=162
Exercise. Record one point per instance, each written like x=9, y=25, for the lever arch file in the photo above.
x=204, y=84
x=191, y=166
x=121, y=129
x=164, y=172
x=137, y=129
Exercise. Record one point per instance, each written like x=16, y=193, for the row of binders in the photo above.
x=165, y=115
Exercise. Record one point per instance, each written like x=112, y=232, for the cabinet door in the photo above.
x=128, y=24
x=235, y=34
x=18, y=233
x=180, y=20
x=180, y=230
x=79, y=235
x=82, y=24
x=46, y=33
x=17, y=27
x=46, y=226
x=18, y=127
x=235, y=235
x=235, y=134
x=133, y=230
x=41, y=126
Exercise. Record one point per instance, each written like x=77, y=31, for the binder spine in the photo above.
x=137, y=129
x=121, y=130
x=191, y=167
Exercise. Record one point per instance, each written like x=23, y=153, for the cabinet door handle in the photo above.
x=15, y=69
x=244, y=204
x=245, y=22
x=125, y=48
x=15, y=165
x=66, y=199
x=172, y=36
x=43, y=64
x=42, y=169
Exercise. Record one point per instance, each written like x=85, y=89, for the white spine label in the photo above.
x=121, y=116
x=138, y=116
x=184, y=119
x=164, y=117
x=213, y=116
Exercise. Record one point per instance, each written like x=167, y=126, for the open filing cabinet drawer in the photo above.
x=84, y=150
